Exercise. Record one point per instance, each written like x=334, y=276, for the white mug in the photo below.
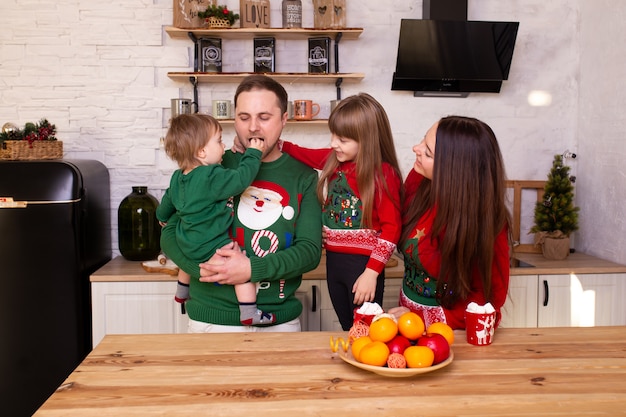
x=221, y=109
x=333, y=104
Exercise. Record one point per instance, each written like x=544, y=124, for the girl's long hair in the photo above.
x=361, y=118
x=468, y=193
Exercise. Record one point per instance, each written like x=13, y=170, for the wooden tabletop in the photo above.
x=525, y=372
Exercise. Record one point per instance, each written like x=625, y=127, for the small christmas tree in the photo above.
x=557, y=213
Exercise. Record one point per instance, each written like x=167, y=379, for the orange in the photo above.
x=411, y=325
x=358, y=344
x=384, y=329
x=374, y=353
x=442, y=329
x=419, y=356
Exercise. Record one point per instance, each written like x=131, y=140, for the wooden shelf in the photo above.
x=319, y=122
x=236, y=77
x=247, y=33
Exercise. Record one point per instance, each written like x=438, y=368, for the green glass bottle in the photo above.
x=139, y=231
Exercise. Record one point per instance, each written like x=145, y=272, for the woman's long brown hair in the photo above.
x=363, y=119
x=468, y=192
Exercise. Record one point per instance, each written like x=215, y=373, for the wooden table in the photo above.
x=525, y=372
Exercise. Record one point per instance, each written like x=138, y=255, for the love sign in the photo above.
x=254, y=13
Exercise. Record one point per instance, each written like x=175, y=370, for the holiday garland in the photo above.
x=32, y=132
x=221, y=12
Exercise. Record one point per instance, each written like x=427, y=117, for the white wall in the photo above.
x=98, y=70
x=601, y=184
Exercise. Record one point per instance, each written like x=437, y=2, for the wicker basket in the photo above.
x=217, y=23
x=18, y=150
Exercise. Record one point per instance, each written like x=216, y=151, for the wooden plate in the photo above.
x=391, y=372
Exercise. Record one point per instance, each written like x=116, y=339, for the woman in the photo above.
x=455, y=237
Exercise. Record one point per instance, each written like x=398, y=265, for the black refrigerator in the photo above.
x=55, y=230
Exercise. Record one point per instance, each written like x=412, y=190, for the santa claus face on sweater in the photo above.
x=260, y=207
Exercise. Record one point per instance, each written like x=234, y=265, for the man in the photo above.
x=277, y=223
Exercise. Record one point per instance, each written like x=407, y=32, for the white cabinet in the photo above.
x=135, y=307
x=581, y=300
x=318, y=312
x=309, y=295
x=520, y=307
x=566, y=300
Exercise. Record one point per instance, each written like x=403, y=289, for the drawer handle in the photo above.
x=546, y=293
x=314, y=301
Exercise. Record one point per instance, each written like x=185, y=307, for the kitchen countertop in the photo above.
x=549, y=371
x=122, y=270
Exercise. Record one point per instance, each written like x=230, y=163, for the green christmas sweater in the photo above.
x=278, y=223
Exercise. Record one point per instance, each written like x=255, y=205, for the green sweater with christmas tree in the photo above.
x=278, y=223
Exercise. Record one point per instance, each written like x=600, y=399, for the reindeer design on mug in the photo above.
x=486, y=333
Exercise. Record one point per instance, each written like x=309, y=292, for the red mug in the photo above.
x=479, y=328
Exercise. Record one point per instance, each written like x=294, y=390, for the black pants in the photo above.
x=342, y=270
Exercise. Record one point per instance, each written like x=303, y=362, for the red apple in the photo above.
x=398, y=344
x=438, y=344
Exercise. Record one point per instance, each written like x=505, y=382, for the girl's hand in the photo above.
x=364, y=289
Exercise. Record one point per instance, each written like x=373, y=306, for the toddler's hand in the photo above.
x=257, y=143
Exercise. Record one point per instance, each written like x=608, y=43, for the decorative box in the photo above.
x=329, y=14
x=209, y=54
x=186, y=13
x=319, y=53
x=264, y=55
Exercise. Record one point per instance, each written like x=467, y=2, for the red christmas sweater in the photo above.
x=342, y=211
x=422, y=264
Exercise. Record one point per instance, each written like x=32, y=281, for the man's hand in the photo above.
x=229, y=266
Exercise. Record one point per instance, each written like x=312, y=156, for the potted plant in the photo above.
x=556, y=217
x=218, y=16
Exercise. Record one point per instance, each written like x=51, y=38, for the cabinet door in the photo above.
x=581, y=300
x=135, y=307
x=309, y=295
x=520, y=307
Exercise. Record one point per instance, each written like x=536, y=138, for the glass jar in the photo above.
x=139, y=231
x=292, y=13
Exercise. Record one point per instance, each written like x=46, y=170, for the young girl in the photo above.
x=199, y=195
x=455, y=238
x=360, y=190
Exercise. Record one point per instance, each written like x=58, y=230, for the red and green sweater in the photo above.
x=422, y=264
x=342, y=211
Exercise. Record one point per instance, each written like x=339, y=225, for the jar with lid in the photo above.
x=292, y=13
x=139, y=231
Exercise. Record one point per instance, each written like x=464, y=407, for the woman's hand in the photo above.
x=229, y=266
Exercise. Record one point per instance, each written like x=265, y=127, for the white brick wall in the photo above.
x=98, y=70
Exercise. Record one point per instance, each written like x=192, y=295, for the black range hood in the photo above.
x=451, y=56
